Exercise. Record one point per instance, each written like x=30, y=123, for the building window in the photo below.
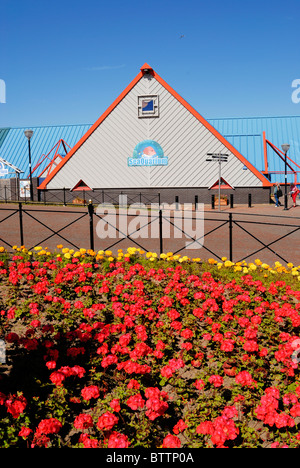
x=148, y=106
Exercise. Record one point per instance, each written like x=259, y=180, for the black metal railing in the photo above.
x=82, y=197
x=225, y=234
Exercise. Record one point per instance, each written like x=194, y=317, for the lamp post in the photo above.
x=285, y=149
x=28, y=134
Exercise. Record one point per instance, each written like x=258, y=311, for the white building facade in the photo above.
x=151, y=139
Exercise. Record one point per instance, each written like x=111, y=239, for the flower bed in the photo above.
x=149, y=351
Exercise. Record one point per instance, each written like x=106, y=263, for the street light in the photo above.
x=285, y=149
x=28, y=134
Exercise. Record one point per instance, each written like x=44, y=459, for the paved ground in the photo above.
x=251, y=228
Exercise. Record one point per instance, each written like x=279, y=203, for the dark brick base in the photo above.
x=153, y=195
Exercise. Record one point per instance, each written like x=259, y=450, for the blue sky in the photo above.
x=64, y=62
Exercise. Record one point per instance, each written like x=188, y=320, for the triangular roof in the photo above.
x=148, y=69
x=224, y=184
x=81, y=185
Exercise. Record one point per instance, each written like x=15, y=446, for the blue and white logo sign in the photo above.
x=148, y=153
x=3, y=171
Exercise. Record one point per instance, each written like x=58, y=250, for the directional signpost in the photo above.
x=218, y=157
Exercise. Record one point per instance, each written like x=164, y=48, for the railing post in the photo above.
x=64, y=196
x=21, y=223
x=160, y=232
x=91, y=222
x=230, y=237
x=196, y=202
x=231, y=200
x=213, y=201
x=249, y=200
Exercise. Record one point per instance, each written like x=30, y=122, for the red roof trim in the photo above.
x=265, y=181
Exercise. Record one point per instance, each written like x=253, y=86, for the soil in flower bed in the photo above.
x=135, y=351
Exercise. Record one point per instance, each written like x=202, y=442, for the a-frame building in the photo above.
x=150, y=138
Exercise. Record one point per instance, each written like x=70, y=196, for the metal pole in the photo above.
x=230, y=237
x=21, y=224
x=285, y=183
x=91, y=212
x=160, y=232
x=30, y=175
x=219, y=184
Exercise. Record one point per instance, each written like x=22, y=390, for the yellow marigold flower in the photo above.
x=77, y=254
x=170, y=254
x=108, y=253
x=149, y=254
x=265, y=266
x=258, y=262
x=228, y=263
x=176, y=257
x=152, y=259
x=100, y=252
x=238, y=268
x=82, y=251
x=67, y=255
x=163, y=255
x=65, y=250
x=252, y=266
x=212, y=261
x=289, y=265
x=219, y=265
x=36, y=248
x=2, y=249
x=245, y=270
x=110, y=259
x=224, y=259
x=59, y=246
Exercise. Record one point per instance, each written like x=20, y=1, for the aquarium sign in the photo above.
x=148, y=153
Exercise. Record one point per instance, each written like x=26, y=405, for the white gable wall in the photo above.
x=101, y=162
